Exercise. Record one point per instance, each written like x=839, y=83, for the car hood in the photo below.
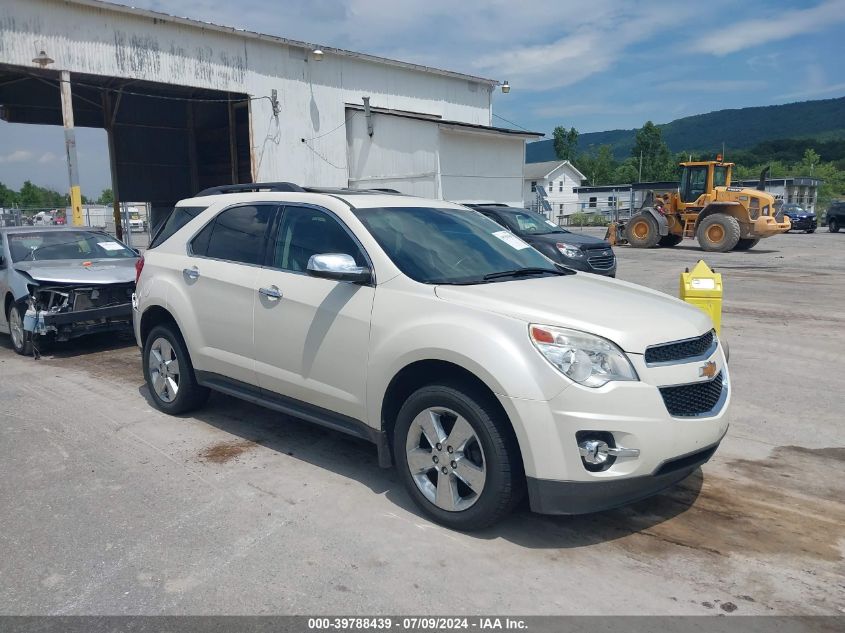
x=631, y=316
x=72, y=271
x=576, y=239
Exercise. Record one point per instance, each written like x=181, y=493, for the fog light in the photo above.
x=594, y=451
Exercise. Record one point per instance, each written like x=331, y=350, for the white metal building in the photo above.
x=559, y=180
x=189, y=104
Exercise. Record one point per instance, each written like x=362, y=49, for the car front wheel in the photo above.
x=21, y=339
x=833, y=225
x=457, y=457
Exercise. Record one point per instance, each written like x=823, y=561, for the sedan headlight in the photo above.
x=587, y=359
x=567, y=250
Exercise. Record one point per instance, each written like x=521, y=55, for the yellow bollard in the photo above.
x=703, y=288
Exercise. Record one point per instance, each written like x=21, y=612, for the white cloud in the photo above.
x=816, y=92
x=18, y=156
x=47, y=157
x=776, y=26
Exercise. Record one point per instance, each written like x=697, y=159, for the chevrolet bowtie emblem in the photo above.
x=707, y=369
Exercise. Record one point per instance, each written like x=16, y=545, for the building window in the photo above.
x=593, y=201
x=561, y=208
x=533, y=186
x=551, y=186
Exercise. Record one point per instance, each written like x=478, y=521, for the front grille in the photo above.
x=693, y=399
x=601, y=261
x=670, y=352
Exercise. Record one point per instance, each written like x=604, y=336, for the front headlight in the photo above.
x=567, y=250
x=587, y=359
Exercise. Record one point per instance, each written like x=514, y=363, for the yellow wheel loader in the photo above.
x=708, y=208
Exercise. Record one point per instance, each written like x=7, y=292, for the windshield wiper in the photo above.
x=522, y=272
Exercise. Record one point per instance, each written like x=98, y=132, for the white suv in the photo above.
x=475, y=364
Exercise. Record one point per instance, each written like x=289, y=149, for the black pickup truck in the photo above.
x=836, y=216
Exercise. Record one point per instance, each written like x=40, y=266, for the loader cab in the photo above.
x=699, y=178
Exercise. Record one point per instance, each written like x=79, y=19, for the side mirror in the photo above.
x=338, y=266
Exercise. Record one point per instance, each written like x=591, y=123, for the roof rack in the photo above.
x=343, y=191
x=253, y=186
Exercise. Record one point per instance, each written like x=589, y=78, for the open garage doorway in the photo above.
x=165, y=141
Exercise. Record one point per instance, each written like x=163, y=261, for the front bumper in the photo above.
x=584, y=266
x=803, y=224
x=76, y=323
x=582, y=497
x=636, y=415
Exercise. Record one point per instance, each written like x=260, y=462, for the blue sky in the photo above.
x=594, y=65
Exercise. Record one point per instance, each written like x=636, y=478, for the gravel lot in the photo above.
x=110, y=507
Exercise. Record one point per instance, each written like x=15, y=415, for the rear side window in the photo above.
x=178, y=218
x=238, y=234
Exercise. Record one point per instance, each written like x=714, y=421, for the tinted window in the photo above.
x=305, y=232
x=448, y=245
x=238, y=234
x=178, y=218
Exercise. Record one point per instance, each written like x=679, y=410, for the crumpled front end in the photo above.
x=67, y=311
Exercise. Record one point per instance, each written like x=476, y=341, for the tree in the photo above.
x=565, y=142
x=8, y=197
x=656, y=159
x=598, y=167
x=106, y=197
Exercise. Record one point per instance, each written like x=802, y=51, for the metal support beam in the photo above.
x=233, y=143
x=70, y=149
x=109, y=117
x=368, y=115
x=193, y=168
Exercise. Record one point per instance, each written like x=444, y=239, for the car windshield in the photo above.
x=794, y=208
x=451, y=246
x=527, y=223
x=43, y=245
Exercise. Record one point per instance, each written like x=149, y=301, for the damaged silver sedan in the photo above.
x=61, y=283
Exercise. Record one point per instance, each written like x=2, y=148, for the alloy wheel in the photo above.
x=16, y=328
x=164, y=369
x=445, y=459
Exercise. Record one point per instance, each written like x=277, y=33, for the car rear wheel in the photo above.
x=718, y=233
x=169, y=373
x=642, y=231
x=457, y=457
x=833, y=225
x=21, y=339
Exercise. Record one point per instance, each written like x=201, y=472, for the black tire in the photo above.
x=641, y=231
x=746, y=244
x=833, y=225
x=667, y=241
x=811, y=230
x=504, y=484
x=718, y=233
x=189, y=395
x=21, y=343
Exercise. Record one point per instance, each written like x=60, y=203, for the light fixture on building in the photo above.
x=318, y=55
x=42, y=59
x=506, y=87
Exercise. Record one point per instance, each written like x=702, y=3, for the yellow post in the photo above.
x=76, y=205
x=703, y=288
x=70, y=148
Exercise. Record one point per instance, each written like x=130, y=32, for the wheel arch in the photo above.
x=155, y=315
x=728, y=208
x=421, y=373
x=662, y=224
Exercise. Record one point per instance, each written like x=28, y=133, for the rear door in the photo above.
x=223, y=264
x=311, y=334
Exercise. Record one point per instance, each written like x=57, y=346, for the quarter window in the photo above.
x=306, y=231
x=236, y=235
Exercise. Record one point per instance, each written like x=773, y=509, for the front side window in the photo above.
x=720, y=176
x=305, y=232
x=37, y=246
x=532, y=224
x=443, y=246
x=695, y=183
x=238, y=234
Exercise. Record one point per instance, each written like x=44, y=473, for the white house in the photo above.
x=559, y=180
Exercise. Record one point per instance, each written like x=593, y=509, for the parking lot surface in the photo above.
x=110, y=507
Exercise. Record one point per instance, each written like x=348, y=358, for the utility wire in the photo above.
x=511, y=122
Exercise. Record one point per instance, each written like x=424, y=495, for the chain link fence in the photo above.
x=135, y=219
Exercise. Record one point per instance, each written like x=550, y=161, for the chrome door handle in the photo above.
x=271, y=293
x=191, y=273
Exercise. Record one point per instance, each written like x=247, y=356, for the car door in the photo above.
x=224, y=262
x=312, y=334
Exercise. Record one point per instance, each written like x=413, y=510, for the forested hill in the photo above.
x=739, y=129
